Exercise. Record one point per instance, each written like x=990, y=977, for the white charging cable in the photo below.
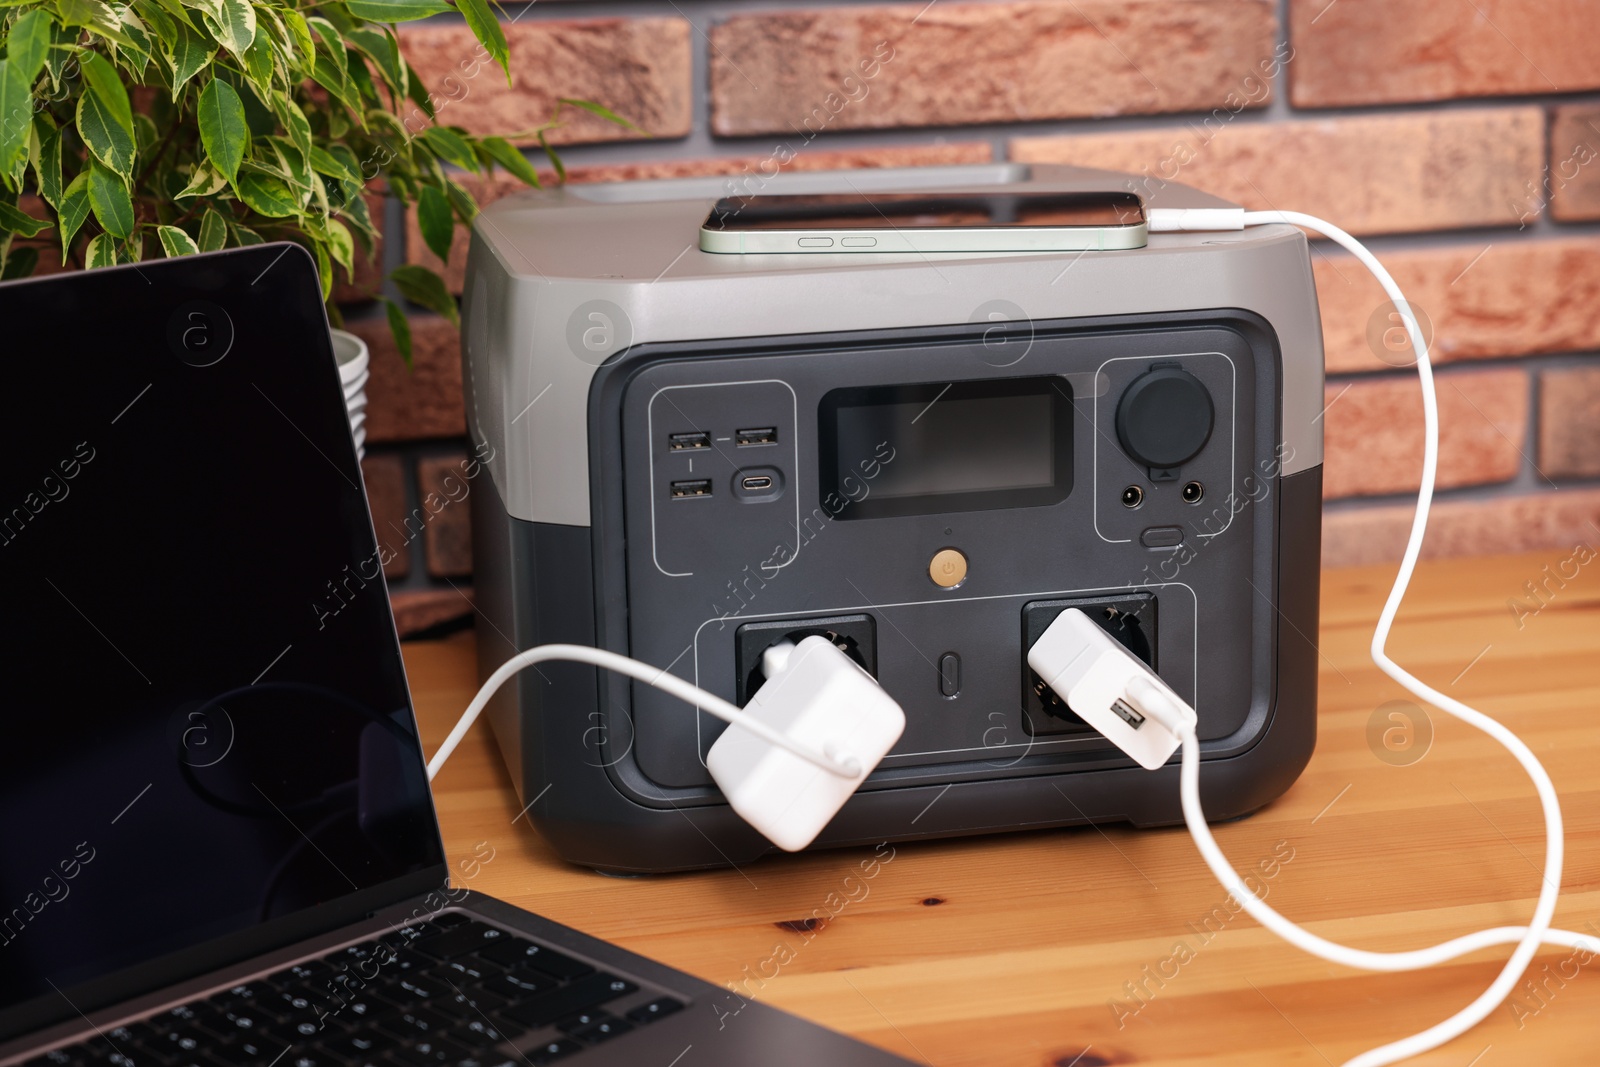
x=1527, y=938
x=847, y=767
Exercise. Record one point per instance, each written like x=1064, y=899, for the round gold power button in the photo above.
x=948, y=568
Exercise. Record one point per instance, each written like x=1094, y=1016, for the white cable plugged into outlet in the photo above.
x=791, y=757
x=1094, y=674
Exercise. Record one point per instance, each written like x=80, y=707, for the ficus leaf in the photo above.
x=29, y=44
x=213, y=231
x=15, y=99
x=206, y=181
x=106, y=84
x=235, y=25
x=422, y=286
x=223, y=130
x=48, y=166
x=108, y=139
x=266, y=195
x=395, y=10
x=20, y=262
x=436, y=221
x=174, y=242
x=13, y=220
x=604, y=112
x=486, y=28
x=108, y=196
x=189, y=53
x=506, y=154
x=73, y=209
x=102, y=251
x=400, y=327
x=449, y=145
x=340, y=244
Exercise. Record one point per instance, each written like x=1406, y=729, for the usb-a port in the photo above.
x=678, y=442
x=695, y=487
x=764, y=435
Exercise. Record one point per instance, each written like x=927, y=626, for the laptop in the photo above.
x=219, y=846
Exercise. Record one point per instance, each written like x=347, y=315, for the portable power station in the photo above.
x=924, y=458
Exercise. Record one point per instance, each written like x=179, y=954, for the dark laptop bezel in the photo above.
x=130, y=982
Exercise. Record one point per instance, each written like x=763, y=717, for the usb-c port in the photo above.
x=756, y=482
x=696, y=487
x=678, y=442
x=765, y=435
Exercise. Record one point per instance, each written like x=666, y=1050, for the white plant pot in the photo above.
x=351, y=352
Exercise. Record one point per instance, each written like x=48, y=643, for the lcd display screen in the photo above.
x=952, y=446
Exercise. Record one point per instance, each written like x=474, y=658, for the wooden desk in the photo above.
x=1020, y=949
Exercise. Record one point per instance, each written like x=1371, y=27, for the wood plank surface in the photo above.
x=1099, y=946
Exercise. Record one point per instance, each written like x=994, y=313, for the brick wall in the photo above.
x=1463, y=139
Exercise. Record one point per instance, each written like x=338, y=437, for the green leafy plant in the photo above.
x=181, y=126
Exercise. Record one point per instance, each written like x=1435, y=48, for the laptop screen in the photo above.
x=207, y=722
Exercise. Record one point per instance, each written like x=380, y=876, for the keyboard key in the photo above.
x=180, y=1043
x=452, y=918
x=470, y=969
x=308, y=1058
x=519, y=954
x=588, y=992
x=479, y=1034
x=553, y=1051
x=432, y=1053
x=583, y=1019
x=356, y=1045
x=512, y=987
x=555, y=964
x=603, y=1031
x=468, y=1004
x=466, y=937
x=309, y=971
x=659, y=1008
x=417, y=1023
x=247, y=1052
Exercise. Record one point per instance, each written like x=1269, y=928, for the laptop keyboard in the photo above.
x=449, y=992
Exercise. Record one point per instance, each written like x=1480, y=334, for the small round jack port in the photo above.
x=1132, y=496
x=1193, y=492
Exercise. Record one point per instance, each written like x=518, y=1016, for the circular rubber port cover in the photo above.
x=1165, y=417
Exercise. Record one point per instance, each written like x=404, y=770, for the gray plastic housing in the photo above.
x=585, y=307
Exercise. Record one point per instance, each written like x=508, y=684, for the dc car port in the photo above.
x=680, y=442
x=763, y=435
x=690, y=489
x=1193, y=492
x=1132, y=496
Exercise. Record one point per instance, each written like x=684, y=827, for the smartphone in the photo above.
x=925, y=222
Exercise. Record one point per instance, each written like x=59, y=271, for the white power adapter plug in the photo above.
x=1111, y=688
x=821, y=698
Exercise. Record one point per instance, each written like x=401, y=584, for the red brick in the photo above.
x=1503, y=524
x=1484, y=299
x=1393, y=173
x=442, y=486
x=416, y=610
x=639, y=68
x=919, y=64
x=1373, y=432
x=1569, y=422
x=419, y=402
x=1351, y=52
x=488, y=190
x=1572, y=183
x=385, y=478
